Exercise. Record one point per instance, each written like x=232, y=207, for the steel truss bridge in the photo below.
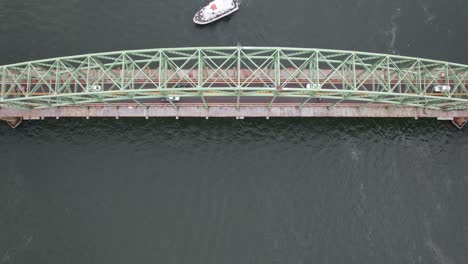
x=235, y=75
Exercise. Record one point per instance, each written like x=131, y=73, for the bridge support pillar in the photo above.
x=13, y=122
x=460, y=122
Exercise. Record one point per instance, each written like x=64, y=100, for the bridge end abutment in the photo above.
x=13, y=122
x=460, y=122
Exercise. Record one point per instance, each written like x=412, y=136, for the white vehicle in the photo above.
x=442, y=88
x=313, y=86
x=171, y=98
x=215, y=10
x=95, y=88
x=308, y=86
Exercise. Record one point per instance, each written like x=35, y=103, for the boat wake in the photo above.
x=427, y=12
x=393, y=31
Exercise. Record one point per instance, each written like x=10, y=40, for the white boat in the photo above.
x=215, y=10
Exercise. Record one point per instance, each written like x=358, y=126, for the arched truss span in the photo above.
x=234, y=73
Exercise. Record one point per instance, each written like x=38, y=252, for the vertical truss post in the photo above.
x=28, y=81
x=50, y=87
x=102, y=80
x=388, y=74
x=200, y=76
x=57, y=77
x=354, y=72
x=311, y=75
x=277, y=77
x=122, y=72
x=373, y=83
x=134, y=76
x=87, y=73
x=400, y=78
x=277, y=68
x=4, y=77
x=68, y=83
x=239, y=65
x=344, y=81
x=317, y=69
x=447, y=79
x=75, y=84
x=200, y=69
x=160, y=69
x=419, y=77
x=424, y=80
x=163, y=77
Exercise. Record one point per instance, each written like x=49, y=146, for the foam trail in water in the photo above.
x=6, y=257
x=427, y=12
x=10, y=254
x=439, y=254
x=393, y=31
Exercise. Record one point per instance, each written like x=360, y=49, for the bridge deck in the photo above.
x=230, y=110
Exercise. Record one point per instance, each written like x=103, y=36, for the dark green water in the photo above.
x=233, y=191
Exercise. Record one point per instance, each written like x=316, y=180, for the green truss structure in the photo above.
x=271, y=73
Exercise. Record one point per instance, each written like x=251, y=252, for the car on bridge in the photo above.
x=313, y=86
x=442, y=88
x=182, y=85
x=95, y=88
x=171, y=98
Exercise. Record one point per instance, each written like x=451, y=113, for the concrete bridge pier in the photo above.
x=460, y=122
x=13, y=122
